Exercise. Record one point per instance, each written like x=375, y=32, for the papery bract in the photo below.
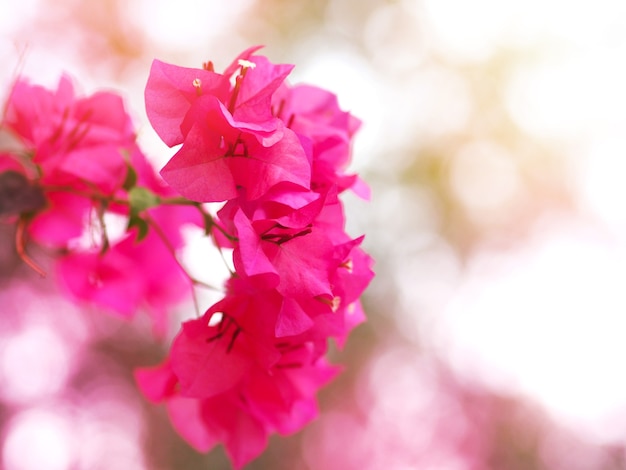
x=252, y=109
x=298, y=257
x=223, y=418
x=314, y=114
x=209, y=360
x=172, y=90
x=214, y=163
x=284, y=398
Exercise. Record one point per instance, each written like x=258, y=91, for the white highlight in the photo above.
x=34, y=363
x=216, y=319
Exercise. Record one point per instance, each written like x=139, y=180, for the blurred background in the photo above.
x=494, y=142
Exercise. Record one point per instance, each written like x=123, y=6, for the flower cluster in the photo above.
x=74, y=165
x=275, y=156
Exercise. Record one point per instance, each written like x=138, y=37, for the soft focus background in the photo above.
x=495, y=144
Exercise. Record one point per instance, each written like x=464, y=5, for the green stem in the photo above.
x=172, y=250
x=178, y=201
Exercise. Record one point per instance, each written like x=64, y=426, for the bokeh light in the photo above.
x=34, y=363
x=39, y=439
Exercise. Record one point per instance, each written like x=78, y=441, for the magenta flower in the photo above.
x=284, y=397
x=231, y=139
x=177, y=96
x=314, y=114
x=205, y=423
x=73, y=139
x=216, y=162
x=76, y=152
x=280, y=398
x=200, y=347
x=299, y=258
x=130, y=275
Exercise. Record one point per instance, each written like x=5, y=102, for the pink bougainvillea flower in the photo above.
x=354, y=270
x=217, y=160
x=237, y=333
x=75, y=152
x=204, y=423
x=223, y=418
x=73, y=139
x=265, y=400
x=277, y=156
x=173, y=94
x=172, y=90
x=314, y=114
x=231, y=139
x=350, y=278
x=209, y=360
x=127, y=276
x=299, y=257
x=251, y=99
x=350, y=273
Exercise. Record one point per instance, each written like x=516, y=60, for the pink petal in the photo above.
x=170, y=91
x=209, y=360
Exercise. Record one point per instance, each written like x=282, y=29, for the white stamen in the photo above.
x=246, y=63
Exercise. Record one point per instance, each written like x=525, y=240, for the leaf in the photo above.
x=131, y=178
x=141, y=199
x=142, y=226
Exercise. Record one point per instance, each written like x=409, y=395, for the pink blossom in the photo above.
x=206, y=422
x=284, y=397
x=231, y=139
x=72, y=139
x=172, y=90
x=76, y=152
x=178, y=96
x=209, y=360
x=127, y=276
x=314, y=114
x=216, y=162
x=299, y=257
x=277, y=155
x=279, y=399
